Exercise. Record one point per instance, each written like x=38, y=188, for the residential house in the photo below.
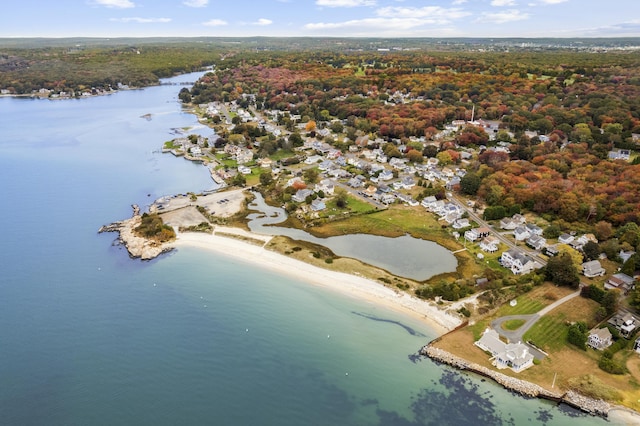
x=534, y=229
x=265, y=163
x=592, y=269
x=625, y=322
x=356, y=181
x=620, y=281
x=508, y=224
x=636, y=345
x=387, y=198
x=536, y=242
x=318, y=205
x=461, y=223
x=521, y=233
x=301, y=195
x=428, y=202
x=505, y=355
x=326, y=185
x=386, y=175
x=566, y=239
x=620, y=154
x=471, y=235
x=625, y=255
x=518, y=262
x=408, y=182
x=490, y=244
x=371, y=190
x=600, y=339
x=244, y=170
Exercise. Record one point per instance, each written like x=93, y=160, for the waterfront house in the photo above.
x=301, y=195
x=318, y=205
x=505, y=355
x=490, y=244
x=600, y=339
x=592, y=269
x=461, y=223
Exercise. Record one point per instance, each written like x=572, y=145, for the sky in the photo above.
x=312, y=18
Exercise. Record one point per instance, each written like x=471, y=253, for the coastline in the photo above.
x=351, y=285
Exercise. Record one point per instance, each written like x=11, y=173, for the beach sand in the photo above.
x=352, y=285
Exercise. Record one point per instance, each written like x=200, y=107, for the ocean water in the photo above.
x=89, y=336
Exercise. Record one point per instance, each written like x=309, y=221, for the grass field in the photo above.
x=513, y=324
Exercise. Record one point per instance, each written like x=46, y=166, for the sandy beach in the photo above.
x=347, y=284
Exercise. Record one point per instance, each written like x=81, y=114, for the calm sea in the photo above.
x=91, y=337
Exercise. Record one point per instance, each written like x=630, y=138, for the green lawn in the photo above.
x=513, y=324
x=525, y=306
x=549, y=333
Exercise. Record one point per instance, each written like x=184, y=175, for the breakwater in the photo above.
x=522, y=387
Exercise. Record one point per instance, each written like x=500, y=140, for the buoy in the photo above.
x=346, y=374
x=99, y=269
x=247, y=330
x=205, y=306
x=328, y=336
x=154, y=284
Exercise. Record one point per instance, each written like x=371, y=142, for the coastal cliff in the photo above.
x=527, y=389
x=138, y=247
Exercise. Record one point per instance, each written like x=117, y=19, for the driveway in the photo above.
x=513, y=336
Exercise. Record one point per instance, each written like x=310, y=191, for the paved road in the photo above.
x=503, y=239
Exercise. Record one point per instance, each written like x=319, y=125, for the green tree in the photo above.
x=266, y=179
x=470, y=183
x=341, y=198
x=311, y=175
x=577, y=335
x=561, y=270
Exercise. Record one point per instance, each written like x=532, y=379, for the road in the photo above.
x=507, y=241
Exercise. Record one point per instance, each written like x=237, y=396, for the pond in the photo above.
x=404, y=256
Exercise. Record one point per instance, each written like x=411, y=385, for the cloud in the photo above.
x=432, y=14
x=624, y=29
x=118, y=4
x=500, y=3
x=553, y=1
x=263, y=22
x=375, y=24
x=195, y=3
x=142, y=20
x=504, y=17
x=215, y=23
x=345, y=3
x=458, y=2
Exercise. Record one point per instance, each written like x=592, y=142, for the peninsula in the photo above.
x=533, y=190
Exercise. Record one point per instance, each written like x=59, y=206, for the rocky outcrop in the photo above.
x=138, y=247
x=589, y=405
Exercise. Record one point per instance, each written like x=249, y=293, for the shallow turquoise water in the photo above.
x=87, y=338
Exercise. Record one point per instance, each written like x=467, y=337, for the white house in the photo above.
x=505, y=355
x=521, y=233
x=518, y=262
x=490, y=244
x=599, y=339
x=301, y=195
x=592, y=269
x=566, y=239
x=536, y=242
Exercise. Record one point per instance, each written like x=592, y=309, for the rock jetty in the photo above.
x=138, y=247
x=522, y=387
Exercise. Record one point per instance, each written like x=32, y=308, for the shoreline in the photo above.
x=351, y=285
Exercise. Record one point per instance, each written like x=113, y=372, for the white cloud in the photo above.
x=215, y=23
x=503, y=3
x=504, y=17
x=142, y=20
x=118, y=4
x=553, y=1
x=457, y=2
x=374, y=24
x=345, y=3
x=263, y=21
x=432, y=14
x=196, y=3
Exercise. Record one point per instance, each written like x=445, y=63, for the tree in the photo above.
x=577, y=335
x=239, y=180
x=561, y=270
x=603, y=230
x=311, y=175
x=310, y=126
x=266, y=179
x=296, y=140
x=415, y=156
x=444, y=158
x=552, y=231
x=591, y=250
x=470, y=183
x=430, y=151
x=341, y=198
